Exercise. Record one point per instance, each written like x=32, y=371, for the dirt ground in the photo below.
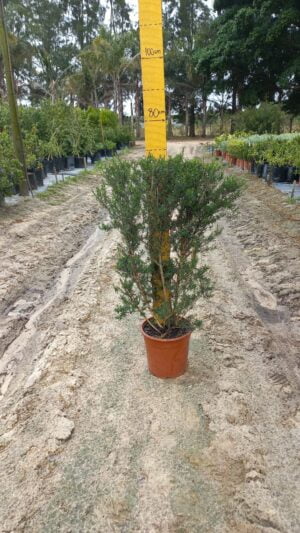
x=89, y=441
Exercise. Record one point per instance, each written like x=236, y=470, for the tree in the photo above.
x=15, y=123
x=184, y=21
x=119, y=16
x=255, y=53
x=84, y=19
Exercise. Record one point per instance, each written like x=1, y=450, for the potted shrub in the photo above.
x=165, y=211
x=109, y=147
x=34, y=155
x=83, y=138
x=10, y=169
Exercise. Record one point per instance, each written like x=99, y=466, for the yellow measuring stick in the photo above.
x=153, y=76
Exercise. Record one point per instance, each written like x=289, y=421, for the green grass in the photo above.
x=293, y=201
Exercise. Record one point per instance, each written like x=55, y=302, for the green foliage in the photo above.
x=149, y=197
x=33, y=149
x=277, y=150
x=268, y=118
x=54, y=130
x=255, y=53
x=108, y=118
x=10, y=169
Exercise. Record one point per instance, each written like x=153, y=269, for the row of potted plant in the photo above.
x=276, y=155
x=58, y=137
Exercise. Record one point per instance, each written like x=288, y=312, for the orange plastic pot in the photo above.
x=167, y=358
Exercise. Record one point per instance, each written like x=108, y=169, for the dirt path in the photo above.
x=89, y=440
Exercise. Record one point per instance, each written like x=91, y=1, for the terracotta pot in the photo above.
x=167, y=358
x=218, y=153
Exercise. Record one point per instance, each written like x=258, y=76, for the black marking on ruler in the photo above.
x=154, y=57
x=159, y=120
x=148, y=90
x=154, y=24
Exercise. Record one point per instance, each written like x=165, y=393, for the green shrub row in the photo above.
x=57, y=130
x=277, y=150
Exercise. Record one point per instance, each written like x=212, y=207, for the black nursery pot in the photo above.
x=96, y=157
x=265, y=171
x=103, y=152
x=291, y=174
x=109, y=153
x=59, y=163
x=32, y=179
x=50, y=166
x=259, y=169
x=39, y=176
x=69, y=162
x=279, y=174
x=45, y=164
x=79, y=162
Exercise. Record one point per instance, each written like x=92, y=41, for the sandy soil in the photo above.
x=89, y=441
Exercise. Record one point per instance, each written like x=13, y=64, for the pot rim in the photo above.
x=189, y=333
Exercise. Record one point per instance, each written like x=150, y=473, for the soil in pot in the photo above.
x=167, y=357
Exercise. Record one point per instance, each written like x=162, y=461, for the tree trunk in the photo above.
x=234, y=108
x=115, y=96
x=222, y=119
x=169, y=130
x=131, y=117
x=204, y=116
x=2, y=83
x=234, y=100
x=192, y=119
x=15, y=123
x=120, y=101
x=186, y=117
x=291, y=123
x=137, y=111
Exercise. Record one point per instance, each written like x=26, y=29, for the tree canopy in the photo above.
x=243, y=53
